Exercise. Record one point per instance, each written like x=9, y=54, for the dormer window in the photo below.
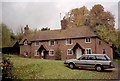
x=69, y=42
x=87, y=40
x=25, y=42
x=52, y=43
x=36, y=43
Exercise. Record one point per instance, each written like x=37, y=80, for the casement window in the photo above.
x=87, y=40
x=36, y=43
x=51, y=52
x=36, y=53
x=51, y=42
x=88, y=51
x=104, y=51
x=99, y=42
x=25, y=53
x=69, y=52
x=68, y=41
x=25, y=42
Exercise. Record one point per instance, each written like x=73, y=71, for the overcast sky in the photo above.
x=39, y=13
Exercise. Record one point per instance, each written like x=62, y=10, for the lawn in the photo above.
x=30, y=68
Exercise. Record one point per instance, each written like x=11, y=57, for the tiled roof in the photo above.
x=63, y=34
x=76, y=32
x=12, y=43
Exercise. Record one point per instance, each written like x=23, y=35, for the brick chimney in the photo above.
x=64, y=23
x=110, y=42
x=26, y=30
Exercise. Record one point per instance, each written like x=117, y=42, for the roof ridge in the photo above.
x=75, y=32
x=59, y=29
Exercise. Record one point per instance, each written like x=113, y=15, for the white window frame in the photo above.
x=68, y=50
x=25, y=53
x=50, y=43
x=102, y=51
x=67, y=41
x=36, y=53
x=86, y=39
x=36, y=43
x=88, y=49
x=25, y=42
x=50, y=53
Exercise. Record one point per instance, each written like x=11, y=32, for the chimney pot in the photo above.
x=26, y=25
x=26, y=29
x=64, y=23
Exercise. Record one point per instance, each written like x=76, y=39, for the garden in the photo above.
x=31, y=68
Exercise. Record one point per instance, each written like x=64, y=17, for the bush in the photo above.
x=7, y=69
x=58, y=54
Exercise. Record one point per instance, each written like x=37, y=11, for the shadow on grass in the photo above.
x=91, y=69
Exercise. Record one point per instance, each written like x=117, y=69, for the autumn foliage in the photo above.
x=100, y=21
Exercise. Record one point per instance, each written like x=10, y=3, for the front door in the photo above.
x=43, y=55
x=78, y=53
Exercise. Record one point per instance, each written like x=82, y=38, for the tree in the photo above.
x=77, y=17
x=106, y=34
x=44, y=29
x=118, y=49
x=12, y=36
x=100, y=17
x=100, y=21
x=83, y=17
x=5, y=35
x=19, y=36
x=57, y=54
x=31, y=31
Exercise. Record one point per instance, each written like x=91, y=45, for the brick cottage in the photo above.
x=72, y=42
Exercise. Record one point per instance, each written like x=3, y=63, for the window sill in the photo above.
x=52, y=45
x=68, y=44
x=51, y=55
x=36, y=55
x=69, y=54
x=87, y=42
x=25, y=44
x=36, y=45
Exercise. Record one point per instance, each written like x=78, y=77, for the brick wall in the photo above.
x=94, y=45
x=109, y=50
x=25, y=48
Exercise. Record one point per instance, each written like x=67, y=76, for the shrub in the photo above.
x=57, y=54
x=7, y=69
